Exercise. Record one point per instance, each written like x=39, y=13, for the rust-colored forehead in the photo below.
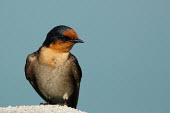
x=71, y=34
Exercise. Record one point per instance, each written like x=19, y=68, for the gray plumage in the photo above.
x=56, y=85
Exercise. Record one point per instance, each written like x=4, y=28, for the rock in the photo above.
x=39, y=109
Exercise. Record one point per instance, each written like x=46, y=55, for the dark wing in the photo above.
x=30, y=72
x=77, y=73
x=29, y=67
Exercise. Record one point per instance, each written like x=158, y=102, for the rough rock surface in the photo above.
x=39, y=109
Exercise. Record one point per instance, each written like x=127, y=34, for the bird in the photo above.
x=53, y=71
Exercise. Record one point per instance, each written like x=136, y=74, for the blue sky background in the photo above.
x=125, y=57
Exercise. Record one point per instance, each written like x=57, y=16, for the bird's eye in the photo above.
x=65, y=38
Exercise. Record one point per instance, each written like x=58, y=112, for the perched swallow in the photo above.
x=53, y=71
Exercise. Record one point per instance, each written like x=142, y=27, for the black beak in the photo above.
x=77, y=40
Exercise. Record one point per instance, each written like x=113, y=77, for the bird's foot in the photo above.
x=44, y=103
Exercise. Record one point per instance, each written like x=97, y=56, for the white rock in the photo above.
x=39, y=109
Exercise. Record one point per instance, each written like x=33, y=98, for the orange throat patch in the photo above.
x=52, y=58
x=62, y=47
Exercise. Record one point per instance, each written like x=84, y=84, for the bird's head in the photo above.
x=61, y=38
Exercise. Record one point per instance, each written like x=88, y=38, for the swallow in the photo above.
x=53, y=71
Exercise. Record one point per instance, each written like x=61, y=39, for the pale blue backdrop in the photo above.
x=125, y=58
